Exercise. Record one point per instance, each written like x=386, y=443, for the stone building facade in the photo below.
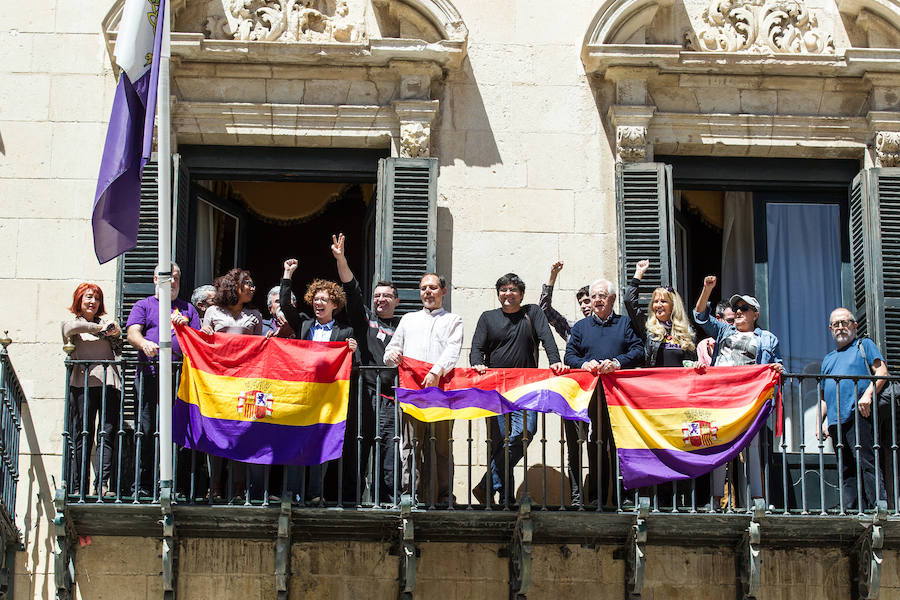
x=538, y=117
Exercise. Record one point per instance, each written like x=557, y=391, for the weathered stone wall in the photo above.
x=129, y=569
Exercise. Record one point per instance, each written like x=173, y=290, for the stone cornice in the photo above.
x=854, y=62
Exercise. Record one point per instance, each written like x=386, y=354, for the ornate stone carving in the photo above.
x=415, y=139
x=286, y=20
x=631, y=143
x=887, y=148
x=763, y=26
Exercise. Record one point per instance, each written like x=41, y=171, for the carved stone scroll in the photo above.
x=763, y=26
x=887, y=148
x=631, y=144
x=286, y=20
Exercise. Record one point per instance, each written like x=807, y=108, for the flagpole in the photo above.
x=164, y=285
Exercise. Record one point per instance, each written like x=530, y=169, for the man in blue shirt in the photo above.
x=600, y=344
x=843, y=399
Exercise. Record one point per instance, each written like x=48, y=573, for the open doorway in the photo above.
x=256, y=225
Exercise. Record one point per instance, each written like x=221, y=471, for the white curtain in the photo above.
x=737, y=275
x=206, y=243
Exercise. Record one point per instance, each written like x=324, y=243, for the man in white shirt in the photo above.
x=431, y=335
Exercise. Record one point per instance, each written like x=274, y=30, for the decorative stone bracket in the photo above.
x=635, y=551
x=887, y=149
x=748, y=551
x=416, y=117
x=283, y=550
x=632, y=132
x=867, y=557
x=63, y=550
x=169, y=544
x=520, y=553
x=408, y=551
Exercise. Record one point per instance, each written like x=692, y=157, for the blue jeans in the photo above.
x=499, y=475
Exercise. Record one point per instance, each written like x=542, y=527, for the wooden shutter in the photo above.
x=406, y=224
x=136, y=266
x=181, y=203
x=875, y=257
x=646, y=223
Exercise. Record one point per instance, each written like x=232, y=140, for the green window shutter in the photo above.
x=646, y=223
x=875, y=257
x=406, y=225
x=136, y=266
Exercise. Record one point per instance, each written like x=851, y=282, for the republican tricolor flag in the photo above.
x=264, y=401
x=129, y=138
x=678, y=423
x=466, y=394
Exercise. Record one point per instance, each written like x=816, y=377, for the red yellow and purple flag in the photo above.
x=258, y=400
x=678, y=423
x=465, y=394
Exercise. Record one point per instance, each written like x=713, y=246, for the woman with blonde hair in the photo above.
x=664, y=326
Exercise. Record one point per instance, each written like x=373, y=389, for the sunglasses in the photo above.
x=743, y=308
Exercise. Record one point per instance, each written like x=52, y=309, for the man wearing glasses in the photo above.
x=738, y=343
x=848, y=409
x=600, y=343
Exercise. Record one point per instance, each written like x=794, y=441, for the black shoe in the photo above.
x=480, y=493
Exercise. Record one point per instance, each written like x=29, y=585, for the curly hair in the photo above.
x=335, y=293
x=78, y=295
x=681, y=330
x=227, y=287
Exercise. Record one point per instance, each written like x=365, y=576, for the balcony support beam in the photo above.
x=866, y=557
x=520, y=552
x=408, y=551
x=283, y=550
x=63, y=555
x=749, y=561
x=635, y=551
x=169, y=544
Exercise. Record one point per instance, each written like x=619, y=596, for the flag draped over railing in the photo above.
x=129, y=138
x=265, y=401
x=678, y=423
x=464, y=394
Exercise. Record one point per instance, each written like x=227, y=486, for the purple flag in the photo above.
x=117, y=202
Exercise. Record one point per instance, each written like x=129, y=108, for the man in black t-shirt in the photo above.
x=372, y=329
x=508, y=337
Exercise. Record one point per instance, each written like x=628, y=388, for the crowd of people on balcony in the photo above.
x=601, y=341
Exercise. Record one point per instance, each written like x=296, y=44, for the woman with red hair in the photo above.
x=93, y=387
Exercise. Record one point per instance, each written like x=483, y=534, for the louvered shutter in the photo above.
x=646, y=223
x=136, y=266
x=406, y=224
x=875, y=255
x=181, y=202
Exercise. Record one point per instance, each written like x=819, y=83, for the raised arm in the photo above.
x=631, y=299
x=356, y=304
x=291, y=314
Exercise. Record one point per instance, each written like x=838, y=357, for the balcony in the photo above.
x=801, y=507
x=11, y=399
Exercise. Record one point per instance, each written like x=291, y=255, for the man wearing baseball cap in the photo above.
x=740, y=343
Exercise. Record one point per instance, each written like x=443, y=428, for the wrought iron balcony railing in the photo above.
x=802, y=473
x=11, y=399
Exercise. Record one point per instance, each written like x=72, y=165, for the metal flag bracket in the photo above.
x=866, y=557
x=520, y=552
x=749, y=560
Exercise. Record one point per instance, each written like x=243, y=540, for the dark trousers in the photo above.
x=380, y=429
x=147, y=395
x=858, y=462
x=86, y=409
x=601, y=454
x=507, y=452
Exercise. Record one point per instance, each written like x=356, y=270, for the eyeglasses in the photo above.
x=743, y=308
x=841, y=324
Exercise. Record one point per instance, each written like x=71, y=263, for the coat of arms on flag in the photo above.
x=259, y=405
x=699, y=433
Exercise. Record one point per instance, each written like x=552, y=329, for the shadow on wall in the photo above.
x=465, y=123
x=2, y=147
x=445, y=248
x=41, y=514
x=537, y=477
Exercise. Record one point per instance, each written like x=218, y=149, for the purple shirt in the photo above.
x=146, y=314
